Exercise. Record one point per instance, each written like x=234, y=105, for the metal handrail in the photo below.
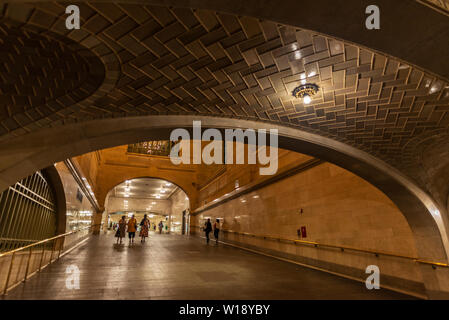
x=342, y=248
x=45, y=240
x=30, y=247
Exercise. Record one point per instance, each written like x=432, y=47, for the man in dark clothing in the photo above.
x=207, y=229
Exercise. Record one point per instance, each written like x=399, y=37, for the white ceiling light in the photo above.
x=307, y=99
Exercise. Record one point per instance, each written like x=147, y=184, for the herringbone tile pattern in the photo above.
x=162, y=60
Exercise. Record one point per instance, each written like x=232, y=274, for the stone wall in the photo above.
x=336, y=207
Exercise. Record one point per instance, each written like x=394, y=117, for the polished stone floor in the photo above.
x=177, y=267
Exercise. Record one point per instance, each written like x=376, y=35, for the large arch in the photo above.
x=363, y=113
x=19, y=156
x=25, y=154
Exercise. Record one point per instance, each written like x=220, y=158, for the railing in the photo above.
x=19, y=264
x=341, y=248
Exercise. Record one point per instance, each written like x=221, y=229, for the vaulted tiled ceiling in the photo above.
x=160, y=60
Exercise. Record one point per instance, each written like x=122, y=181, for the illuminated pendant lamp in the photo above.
x=305, y=92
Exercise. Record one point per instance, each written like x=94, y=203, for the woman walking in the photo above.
x=144, y=224
x=207, y=229
x=161, y=225
x=132, y=227
x=121, y=229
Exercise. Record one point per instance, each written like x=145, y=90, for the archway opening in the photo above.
x=160, y=201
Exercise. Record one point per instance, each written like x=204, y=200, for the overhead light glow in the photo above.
x=307, y=99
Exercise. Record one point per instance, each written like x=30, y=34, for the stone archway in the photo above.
x=22, y=155
x=187, y=188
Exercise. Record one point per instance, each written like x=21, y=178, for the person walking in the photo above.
x=121, y=229
x=132, y=227
x=207, y=229
x=144, y=224
x=161, y=225
x=216, y=230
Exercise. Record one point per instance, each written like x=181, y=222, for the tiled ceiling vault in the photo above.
x=158, y=60
x=438, y=4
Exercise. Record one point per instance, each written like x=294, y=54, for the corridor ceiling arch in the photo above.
x=112, y=184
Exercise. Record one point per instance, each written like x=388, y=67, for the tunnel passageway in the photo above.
x=179, y=267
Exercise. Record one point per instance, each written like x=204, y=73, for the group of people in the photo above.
x=130, y=226
x=208, y=228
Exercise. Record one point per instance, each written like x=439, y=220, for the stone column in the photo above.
x=96, y=221
x=105, y=222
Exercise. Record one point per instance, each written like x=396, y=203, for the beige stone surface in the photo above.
x=338, y=208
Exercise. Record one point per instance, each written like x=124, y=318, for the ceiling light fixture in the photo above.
x=305, y=91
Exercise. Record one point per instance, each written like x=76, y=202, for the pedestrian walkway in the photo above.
x=180, y=267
